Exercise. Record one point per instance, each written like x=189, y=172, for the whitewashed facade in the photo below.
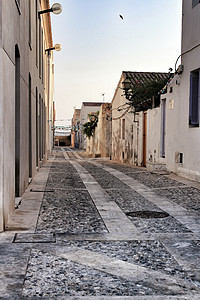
x=86, y=108
x=26, y=89
x=182, y=109
x=133, y=132
x=100, y=143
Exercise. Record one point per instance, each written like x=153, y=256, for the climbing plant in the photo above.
x=144, y=94
x=89, y=127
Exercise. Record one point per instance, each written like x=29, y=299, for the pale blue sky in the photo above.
x=97, y=46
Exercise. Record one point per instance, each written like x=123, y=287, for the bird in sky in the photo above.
x=121, y=17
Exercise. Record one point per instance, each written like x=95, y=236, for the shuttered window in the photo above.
x=194, y=98
x=123, y=128
x=120, y=129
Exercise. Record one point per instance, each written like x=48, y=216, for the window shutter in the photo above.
x=194, y=99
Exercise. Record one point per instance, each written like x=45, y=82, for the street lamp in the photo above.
x=57, y=47
x=127, y=84
x=56, y=9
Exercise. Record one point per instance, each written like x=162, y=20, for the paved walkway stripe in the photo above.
x=128, y=271
x=26, y=216
x=154, y=297
x=188, y=219
x=114, y=218
x=65, y=154
x=76, y=154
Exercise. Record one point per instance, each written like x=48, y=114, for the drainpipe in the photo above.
x=48, y=118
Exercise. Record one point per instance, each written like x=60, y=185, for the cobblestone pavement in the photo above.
x=97, y=230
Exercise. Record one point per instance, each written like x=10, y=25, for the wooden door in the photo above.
x=145, y=139
x=163, y=118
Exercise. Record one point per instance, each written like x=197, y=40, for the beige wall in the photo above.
x=75, y=133
x=85, y=110
x=129, y=149
x=14, y=30
x=100, y=144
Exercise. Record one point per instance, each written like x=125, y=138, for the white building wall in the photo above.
x=14, y=30
x=180, y=136
x=85, y=110
x=8, y=70
x=100, y=143
x=1, y=144
x=153, y=135
x=129, y=149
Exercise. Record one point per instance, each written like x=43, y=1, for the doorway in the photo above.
x=17, y=122
x=30, y=129
x=163, y=125
x=145, y=139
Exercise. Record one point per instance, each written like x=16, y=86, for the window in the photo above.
x=195, y=3
x=17, y=121
x=119, y=128
x=194, y=98
x=123, y=128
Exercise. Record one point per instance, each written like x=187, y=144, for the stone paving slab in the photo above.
x=188, y=197
x=89, y=262
x=152, y=180
x=108, y=210
x=13, y=264
x=34, y=238
x=105, y=179
x=175, y=210
x=75, y=270
x=186, y=297
x=69, y=211
x=26, y=215
x=66, y=237
x=131, y=201
x=125, y=270
x=186, y=253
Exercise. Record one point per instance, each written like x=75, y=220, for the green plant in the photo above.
x=144, y=94
x=89, y=127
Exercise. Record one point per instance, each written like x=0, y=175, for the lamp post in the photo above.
x=56, y=9
x=127, y=84
x=57, y=47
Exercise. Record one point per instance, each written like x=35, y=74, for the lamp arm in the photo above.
x=44, y=11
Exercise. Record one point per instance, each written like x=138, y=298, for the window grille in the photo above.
x=194, y=98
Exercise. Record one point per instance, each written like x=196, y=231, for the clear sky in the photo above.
x=97, y=45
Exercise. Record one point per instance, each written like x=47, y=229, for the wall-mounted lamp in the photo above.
x=57, y=47
x=127, y=84
x=56, y=9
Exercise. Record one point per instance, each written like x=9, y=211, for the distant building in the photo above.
x=26, y=102
x=100, y=143
x=86, y=108
x=75, y=131
x=130, y=130
x=62, y=140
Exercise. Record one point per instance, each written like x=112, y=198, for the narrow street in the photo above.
x=99, y=230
